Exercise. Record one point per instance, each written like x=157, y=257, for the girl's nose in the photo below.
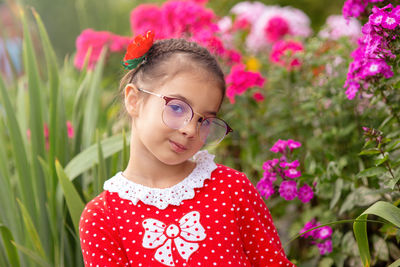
x=190, y=129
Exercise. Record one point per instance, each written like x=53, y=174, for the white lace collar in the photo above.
x=162, y=197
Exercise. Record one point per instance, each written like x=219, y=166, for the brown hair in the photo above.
x=166, y=58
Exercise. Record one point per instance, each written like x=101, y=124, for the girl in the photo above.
x=173, y=205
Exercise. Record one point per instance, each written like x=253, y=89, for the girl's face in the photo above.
x=156, y=140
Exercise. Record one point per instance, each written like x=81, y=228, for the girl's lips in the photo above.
x=177, y=147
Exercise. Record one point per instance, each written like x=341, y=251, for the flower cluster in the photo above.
x=174, y=19
x=355, y=8
x=321, y=237
x=95, y=41
x=287, y=171
x=283, y=52
x=239, y=80
x=374, y=53
x=269, y=24
x=337, y=27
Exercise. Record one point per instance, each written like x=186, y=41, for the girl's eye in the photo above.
x=176, y=108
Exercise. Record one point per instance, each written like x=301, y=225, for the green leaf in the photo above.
x=371, y=172
x=337, y=193
x=382, y=209
x=10, y=248
x=372, y=151
x=102, y=172
x=33, y=255
x=74, y=201
x=380, y=161
x=31, y=229
x=87, y=158
x=19, y=152
x=395, y=264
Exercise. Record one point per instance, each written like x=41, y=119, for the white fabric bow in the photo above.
x=159, y=235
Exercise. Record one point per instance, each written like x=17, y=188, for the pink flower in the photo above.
x=233, y=56
x=337, y=27
x=119, y=43
x=240, y=80
x=279, y=146
x=269, y=176
x=325, y=247
x=309, y=225
x=209, y=40
x=323, y=232
x=390, y=22
x=258, y=97
x=270, y=164
x=293, y=144
x=288, y=190
x=276, y=28
x=305, y=193
x=90, y=39
x=292, y=173
x=96, y=41
x=147, y=17
x=298, y=24
x=265, y=188
x=70, y=130
x=283, y=53
x=293, y=164
x=241, y=23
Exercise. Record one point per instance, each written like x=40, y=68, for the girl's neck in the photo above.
x=147, y=170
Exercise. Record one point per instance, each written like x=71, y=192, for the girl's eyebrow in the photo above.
x=191, y=104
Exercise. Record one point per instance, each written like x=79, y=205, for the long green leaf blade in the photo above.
x=31, y=229
x=87, y=158
x=74, y=202
x=382, y=209
x=12, y=252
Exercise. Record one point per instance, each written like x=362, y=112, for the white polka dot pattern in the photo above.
x=228, y=224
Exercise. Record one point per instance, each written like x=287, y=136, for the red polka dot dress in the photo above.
x=214, y=217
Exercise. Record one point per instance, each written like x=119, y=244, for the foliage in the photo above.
x=290, y=89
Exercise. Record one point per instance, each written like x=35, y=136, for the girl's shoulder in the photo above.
x=234, y=180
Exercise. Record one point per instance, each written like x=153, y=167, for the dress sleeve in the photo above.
x=99, y=236
x=259, y=236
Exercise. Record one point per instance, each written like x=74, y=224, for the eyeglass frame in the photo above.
x=169, y=99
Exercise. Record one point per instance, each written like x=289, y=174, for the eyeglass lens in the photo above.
x=178, y=114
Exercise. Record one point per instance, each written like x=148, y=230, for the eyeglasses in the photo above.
x=177, y=114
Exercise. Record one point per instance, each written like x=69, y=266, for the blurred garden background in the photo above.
x=313, y=98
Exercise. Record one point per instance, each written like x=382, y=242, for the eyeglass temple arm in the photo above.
x=148, y=92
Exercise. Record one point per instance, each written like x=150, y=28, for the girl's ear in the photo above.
x=132, y=100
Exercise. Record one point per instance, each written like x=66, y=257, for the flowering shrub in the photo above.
x=287, y=171
x=376, y=52
x=321, y=237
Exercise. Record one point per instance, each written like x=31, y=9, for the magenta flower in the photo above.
x=305, y=193
x=70, y=130
x=376, y=18
x=279, y=146
x=325, y=247
x=292, y=165
x=276, y=28
x=309, y=225
x=288, y=190
x=258, y=97
x=270, y=164
x=266, y=188
x=293, y=144
x=292, y=173
x=147, y=17
x=239, y=80
x=269, y=176
x=283, y=52
x=323, y=233
x=390, y=22
x=96, y=41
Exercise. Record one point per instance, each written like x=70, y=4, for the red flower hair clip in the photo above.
x=137, y=50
